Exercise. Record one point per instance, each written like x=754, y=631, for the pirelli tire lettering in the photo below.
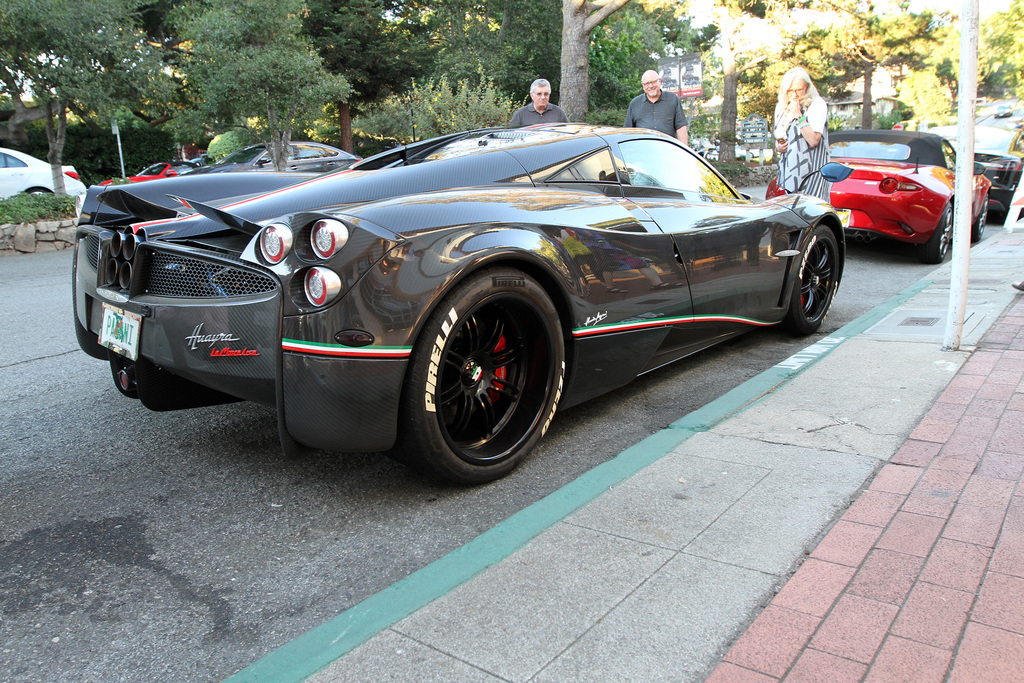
x=554, y=404
x=435, y=359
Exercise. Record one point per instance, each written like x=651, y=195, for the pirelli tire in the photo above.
x=817, y=283
x=485, y=378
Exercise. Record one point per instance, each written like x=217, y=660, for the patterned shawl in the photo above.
x=801, y=159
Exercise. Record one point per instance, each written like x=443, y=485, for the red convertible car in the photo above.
x=902, y=189
x=163, y=169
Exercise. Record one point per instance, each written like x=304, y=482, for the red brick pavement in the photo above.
x=922, y=579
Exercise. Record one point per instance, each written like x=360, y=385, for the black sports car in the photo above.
x=440, y=301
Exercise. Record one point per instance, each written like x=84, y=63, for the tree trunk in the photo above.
x=865, y=112
x=577, y=25
x=574, y=91
x=55, y=136
x=14, y=133
x=280, y=141
x=345, y=126
x=730, y=85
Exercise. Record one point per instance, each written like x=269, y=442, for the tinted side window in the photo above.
x=949, y=154
x=310, y=152
x=658, y=163
x=7, y=161
x=597, y=168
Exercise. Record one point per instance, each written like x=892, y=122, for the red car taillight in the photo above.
x=890, y=185
x=327, y=237
x=275, y=242
x=72, y=174
x=1005, y=165
x=321, y=285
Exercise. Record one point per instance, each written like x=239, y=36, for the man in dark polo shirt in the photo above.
x=657, y=109
x=540, y=110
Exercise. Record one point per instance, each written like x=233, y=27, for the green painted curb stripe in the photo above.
x=756, y=388
x=320, y=646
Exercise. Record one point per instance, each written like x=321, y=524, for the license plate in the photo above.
x=120, y=331
x=844, y=217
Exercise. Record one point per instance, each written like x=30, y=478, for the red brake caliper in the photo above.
x=499, y=373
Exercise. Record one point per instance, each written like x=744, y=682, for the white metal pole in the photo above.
x=117, y=133
x=963, y=189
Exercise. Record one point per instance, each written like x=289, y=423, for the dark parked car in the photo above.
x=1001, y=151
x=440, y=301
x=302, y=156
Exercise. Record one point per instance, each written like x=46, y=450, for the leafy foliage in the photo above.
x=1002, y=49
x=226, y=143
x=88, y=56
x=32, y=208
x=435, y=108
x=252, y=67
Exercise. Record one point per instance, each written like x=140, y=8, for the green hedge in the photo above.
x=32, y=208
x=94, y=155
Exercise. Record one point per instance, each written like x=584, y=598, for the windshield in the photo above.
x=992, y=138
x=477, y=143
x=870, y=149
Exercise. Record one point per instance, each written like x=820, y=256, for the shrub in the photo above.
x=31, y=208
x=435, y=108
x=226, y=143
x=605, y=117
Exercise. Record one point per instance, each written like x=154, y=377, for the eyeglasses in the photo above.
x=797, y=91
x=647, y=83
x=542, y=94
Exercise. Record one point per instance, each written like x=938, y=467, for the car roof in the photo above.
x=986, y=138
x=925, y=148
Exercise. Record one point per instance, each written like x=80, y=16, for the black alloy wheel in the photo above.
x=934, y=250
x=485, y=378
x=818, y=281
x=978, y=226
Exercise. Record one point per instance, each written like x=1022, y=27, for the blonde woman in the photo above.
x=801, y=134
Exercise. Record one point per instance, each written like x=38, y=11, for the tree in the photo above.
x=579, y=19
x=871, y=35
x=60, y=54
x=1001, y=53
x=250, y=66
x=748, y=38
x=372, y=44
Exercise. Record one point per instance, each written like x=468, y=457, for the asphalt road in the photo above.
x=141, y=546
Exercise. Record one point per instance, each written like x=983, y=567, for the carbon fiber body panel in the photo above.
x=639, y=275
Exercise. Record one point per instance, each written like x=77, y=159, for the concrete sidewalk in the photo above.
x=877, y=467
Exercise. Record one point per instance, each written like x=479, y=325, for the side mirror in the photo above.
x=263, y=161
x=834, y=172
x=979, y=168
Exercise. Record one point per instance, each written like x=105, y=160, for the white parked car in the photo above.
x=20, y=172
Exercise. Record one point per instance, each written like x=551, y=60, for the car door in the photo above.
x=13, y=175
x=304, y=157
x=728, y=245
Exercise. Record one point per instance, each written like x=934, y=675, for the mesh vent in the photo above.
x=184, y=277
x=92, y=250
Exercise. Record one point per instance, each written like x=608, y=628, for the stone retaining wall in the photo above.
x=26, y=238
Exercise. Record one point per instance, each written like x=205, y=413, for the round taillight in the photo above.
x=321, y=285
x=327, y=237
x=275, y=242
x=889, y=185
